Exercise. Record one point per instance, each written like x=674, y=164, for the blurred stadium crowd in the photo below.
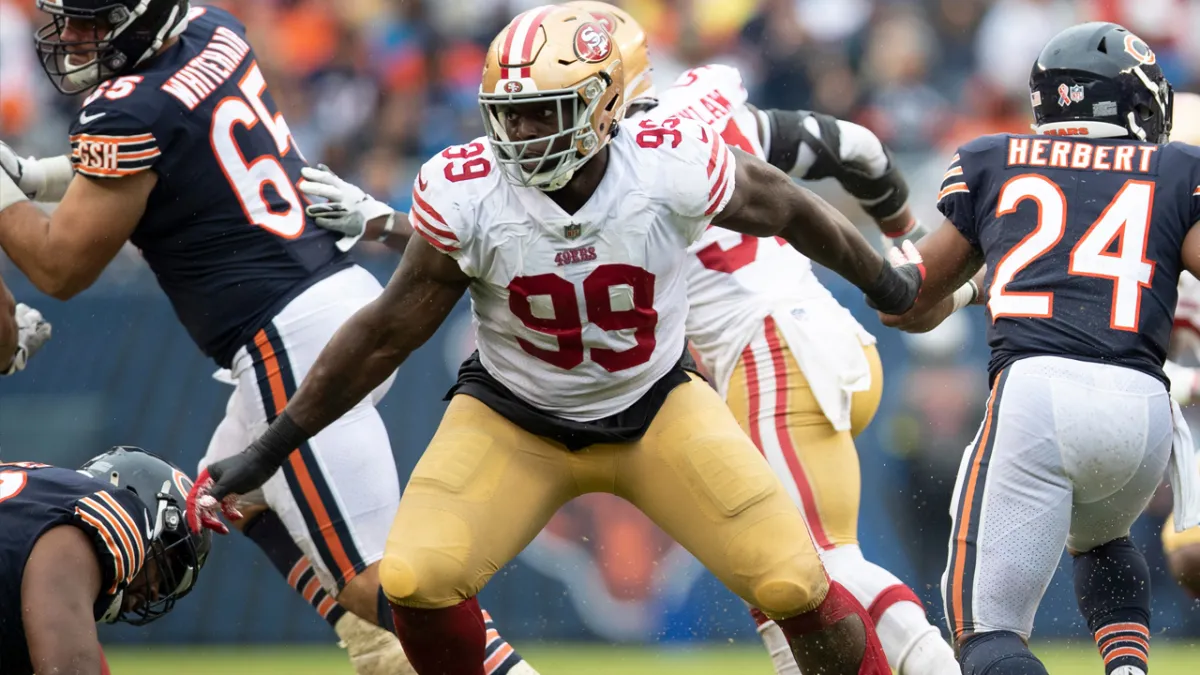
x=373, y=87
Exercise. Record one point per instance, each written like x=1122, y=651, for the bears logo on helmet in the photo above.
x=1138, y=49
x=592, y=43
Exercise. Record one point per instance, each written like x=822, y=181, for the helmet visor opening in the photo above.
x=76, y=51
x=533, y=135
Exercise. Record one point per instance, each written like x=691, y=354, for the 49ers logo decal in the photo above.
x=592, y=43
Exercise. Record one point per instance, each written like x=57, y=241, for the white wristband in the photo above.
x=388, y=226
x=9, y=192
x=57, y=175
x=965, y=295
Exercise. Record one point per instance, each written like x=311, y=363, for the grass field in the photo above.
x=1061, y=659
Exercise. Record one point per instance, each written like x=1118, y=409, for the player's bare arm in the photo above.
x=64, y=253
x=1191, y=250
x=363, y=353
x=8, y=327
x=376, y=340
x=952, y=267
x=767, y=203
x=61, y=583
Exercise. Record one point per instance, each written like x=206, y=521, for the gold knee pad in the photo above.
x=1173, y=541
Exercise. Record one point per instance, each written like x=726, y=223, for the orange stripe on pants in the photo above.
x=964, y=522
x=307, y=487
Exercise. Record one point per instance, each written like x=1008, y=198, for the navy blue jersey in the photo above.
x=35, y=498
x=224, y=229
x=1083, y=242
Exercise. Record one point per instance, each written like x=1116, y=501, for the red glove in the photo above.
x=202, y=507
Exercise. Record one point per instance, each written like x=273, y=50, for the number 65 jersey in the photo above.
x=1083, y=242
x=580, y=314
x=224, y=228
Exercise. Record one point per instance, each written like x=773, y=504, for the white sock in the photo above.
x=777, y=646
x=913, y=646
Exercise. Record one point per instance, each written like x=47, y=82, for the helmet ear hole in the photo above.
x=1143, y=111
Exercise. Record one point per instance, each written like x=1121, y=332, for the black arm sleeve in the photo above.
x=881, y=197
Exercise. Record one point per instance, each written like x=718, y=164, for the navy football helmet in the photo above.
x=89, y=41
x=1100, y=80
x=175, y=554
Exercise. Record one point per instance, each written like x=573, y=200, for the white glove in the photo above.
x=42, y=180
x=1185, y=382
x=33, y=332
x=348, y=208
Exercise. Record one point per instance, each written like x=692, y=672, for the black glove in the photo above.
x=897, y=286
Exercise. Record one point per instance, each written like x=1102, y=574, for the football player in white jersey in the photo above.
x=802, y=377
x=571, y=231
x=1183, y=548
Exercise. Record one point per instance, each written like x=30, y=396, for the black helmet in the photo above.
x=133, y=30
x=1098, y=79
x=177, y=552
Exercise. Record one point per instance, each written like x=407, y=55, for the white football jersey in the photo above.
x=1185, y=339
x=580, y=314
x=735, y=281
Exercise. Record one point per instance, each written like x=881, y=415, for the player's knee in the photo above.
x=998, y=653
x=789, y=590
x=413, y=580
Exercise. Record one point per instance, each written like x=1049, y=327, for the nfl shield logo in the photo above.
x=572, y=231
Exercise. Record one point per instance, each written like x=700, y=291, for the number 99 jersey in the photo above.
x=579, y=314
x=224, y=228
x=1083, y=242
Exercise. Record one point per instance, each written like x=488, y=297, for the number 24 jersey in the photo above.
x=1083, y=242
x=580, y=314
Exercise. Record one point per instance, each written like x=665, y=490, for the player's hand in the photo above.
x=348, y=208
x=897, y=287
x=923, y=322
x=201, y=511
x=33, y=332
x=26, y=173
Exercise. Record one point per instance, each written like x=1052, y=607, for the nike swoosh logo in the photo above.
x=421, y=182
x=85, y=118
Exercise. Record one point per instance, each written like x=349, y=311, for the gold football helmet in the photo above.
x=551, y=59
x=631, y=39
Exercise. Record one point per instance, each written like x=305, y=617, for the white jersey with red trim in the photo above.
x=735, y=281
x=580, y=314
x=1185, y=338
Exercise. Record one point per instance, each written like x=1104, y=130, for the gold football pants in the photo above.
x=485, y=487
x=818, y=465
x=1173, y=541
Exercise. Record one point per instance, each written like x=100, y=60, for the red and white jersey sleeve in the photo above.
x=715, y=95
x=694, y=168
x=445, y=195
